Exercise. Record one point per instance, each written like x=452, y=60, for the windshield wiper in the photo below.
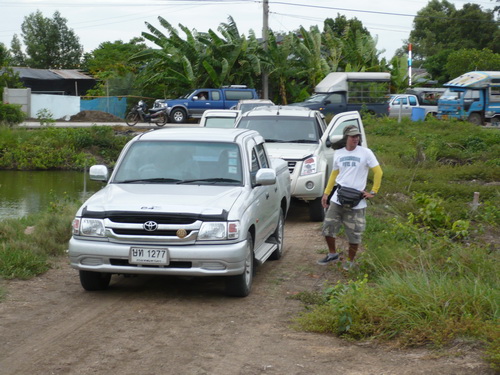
x=212, y=180
x=274, y=141
x=156, y=179
x=303, y=141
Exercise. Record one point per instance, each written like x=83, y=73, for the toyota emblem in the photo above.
x=150, y=226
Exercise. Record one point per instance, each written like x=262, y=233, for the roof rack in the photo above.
x=235, y=87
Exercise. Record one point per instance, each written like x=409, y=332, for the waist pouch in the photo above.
x=349, y=197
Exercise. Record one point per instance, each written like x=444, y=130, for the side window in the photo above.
x=335, y=99
x=255, y=166
x=339, y=130
x=215, y=95
x=495, y=94
x=413, y=100
x=238, y=94
x=261, y=154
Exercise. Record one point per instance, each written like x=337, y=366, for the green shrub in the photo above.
x=11, y=114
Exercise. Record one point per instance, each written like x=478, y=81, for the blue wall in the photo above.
x=112, y=104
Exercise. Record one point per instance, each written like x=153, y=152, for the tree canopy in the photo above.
x=49, y=43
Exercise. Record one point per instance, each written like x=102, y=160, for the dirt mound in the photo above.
x=95, y=116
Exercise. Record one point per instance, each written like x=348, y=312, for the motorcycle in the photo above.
x=140, y=112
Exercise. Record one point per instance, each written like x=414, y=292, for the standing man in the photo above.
x=350, y=169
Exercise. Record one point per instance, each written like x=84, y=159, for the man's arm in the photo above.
x=329, y=188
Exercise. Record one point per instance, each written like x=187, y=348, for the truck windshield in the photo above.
x=316, y=98
x=285, y=129
x=169, y=162
x=451, y=95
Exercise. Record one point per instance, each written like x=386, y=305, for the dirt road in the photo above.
x=167, y=325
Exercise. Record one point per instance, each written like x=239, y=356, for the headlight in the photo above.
x=88, y=227
x=219, y=231
x=309, y=166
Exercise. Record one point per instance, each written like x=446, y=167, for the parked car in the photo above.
x=194, y=103
x=246, y=105
x=301, y=137
x=184, y=201
x=215, y=118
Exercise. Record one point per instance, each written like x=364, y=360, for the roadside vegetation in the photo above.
x=429, y=272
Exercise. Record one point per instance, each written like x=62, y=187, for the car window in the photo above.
x=336, y=99
x=239, y=94
x=219, y=122
x=283, y=128
x=215, y=95
x=339, y=130
x=261, y=154
x=413, y=100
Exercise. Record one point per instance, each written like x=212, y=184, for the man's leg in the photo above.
x=331, y=226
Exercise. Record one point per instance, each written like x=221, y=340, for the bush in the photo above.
x=11, y=114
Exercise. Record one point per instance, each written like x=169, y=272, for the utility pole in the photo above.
x=265, y=32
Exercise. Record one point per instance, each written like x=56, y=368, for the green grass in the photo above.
x=429, y=272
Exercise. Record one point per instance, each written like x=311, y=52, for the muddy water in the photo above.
x=26, y=192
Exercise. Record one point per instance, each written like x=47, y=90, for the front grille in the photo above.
x=142, y=232
x=160, y=219
x=124, y=262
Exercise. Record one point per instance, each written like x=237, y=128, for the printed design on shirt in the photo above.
x=349, y=161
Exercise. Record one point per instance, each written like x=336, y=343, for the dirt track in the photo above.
x=167, y=325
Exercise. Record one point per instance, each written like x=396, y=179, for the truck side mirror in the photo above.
x=99, y=173
x=265, y=176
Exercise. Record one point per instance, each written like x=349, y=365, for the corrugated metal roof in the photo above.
x=70, y=74
x=50, y=74
x=42, y=74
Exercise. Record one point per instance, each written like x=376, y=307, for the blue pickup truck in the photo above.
x=194, y=103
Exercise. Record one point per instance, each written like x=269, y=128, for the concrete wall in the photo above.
x=18, y=96
x=61, y=106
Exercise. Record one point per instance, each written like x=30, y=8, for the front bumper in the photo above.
x=186, y=260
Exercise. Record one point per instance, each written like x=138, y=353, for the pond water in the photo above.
x=26, y=192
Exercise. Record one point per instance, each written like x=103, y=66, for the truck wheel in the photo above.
x=178, y=116
x=93, y=281
x=279, y=237
x=316, y=210
x=241, y=285
x=475, y=118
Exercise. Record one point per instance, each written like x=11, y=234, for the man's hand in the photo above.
x=324, y=201
x=369, y=195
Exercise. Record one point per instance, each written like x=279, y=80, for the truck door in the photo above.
x=335, y=129
x=401, y=104
x=204, y=99
x=262, y=196
x=335, y=103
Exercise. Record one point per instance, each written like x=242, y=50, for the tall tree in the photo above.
x=18, y=57
x=110, y=65
x=440, y=26
x=50, y=43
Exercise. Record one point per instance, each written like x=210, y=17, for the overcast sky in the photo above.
x=96, y=21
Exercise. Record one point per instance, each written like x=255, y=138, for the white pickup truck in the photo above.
x=184, y=201
x=301, y=137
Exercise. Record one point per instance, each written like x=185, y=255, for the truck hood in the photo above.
x=291, y=150
x=159, y=198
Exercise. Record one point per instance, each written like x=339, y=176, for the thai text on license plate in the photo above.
x=143, y=255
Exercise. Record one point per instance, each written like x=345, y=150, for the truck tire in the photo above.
x=178, y=116
x=475, y=118
x=279, y=237
x=93, y=281
x=241, y=285
x=316, y=210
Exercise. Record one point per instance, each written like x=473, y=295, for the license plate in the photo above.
x=145, y=255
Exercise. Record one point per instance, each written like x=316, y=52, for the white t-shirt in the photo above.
x=353, y=167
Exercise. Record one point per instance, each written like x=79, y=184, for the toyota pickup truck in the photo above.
x=196, y=102
x=184, y=201
x=302, y=138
